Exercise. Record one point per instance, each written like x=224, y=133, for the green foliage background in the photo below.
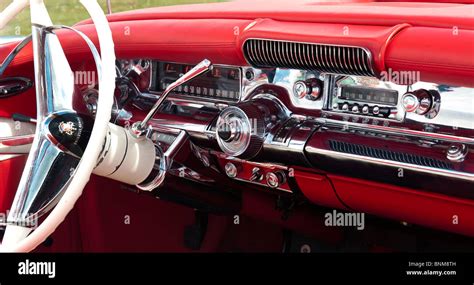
x=69, y=12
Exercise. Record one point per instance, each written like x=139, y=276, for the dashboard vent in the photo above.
x=324, y=58
x=388, y=155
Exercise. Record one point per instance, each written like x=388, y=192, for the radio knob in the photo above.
x=315, y=93
x=345, y=107
x=419, y=101
x=376, y=110
x=355, y=109
x=275, y=179
x=410, y=102
x=301, y=89
x=309, y=89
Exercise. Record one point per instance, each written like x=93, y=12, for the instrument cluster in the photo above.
x=221, y=83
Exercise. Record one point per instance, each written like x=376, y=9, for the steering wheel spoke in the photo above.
x=61, y=137
x=66, y=143
x=56, y=80
x=41, y=185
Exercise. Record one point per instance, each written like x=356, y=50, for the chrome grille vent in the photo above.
x=388, y=155
x=323, y=58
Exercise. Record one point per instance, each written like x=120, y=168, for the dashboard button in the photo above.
x=376, y=110
x=355, y=109
x=275, y=179
x=345, y=107
x=231, y=170
x=365, y=109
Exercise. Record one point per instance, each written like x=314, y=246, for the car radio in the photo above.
x=366, y=96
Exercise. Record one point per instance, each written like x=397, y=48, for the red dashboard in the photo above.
x=436, y=40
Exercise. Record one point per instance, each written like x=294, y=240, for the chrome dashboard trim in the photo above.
x=264, y=165
x=19, y=47
x=396, y=131
x=393, y=164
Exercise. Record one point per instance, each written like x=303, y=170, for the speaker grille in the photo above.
x=388, y=155
x=324, y=58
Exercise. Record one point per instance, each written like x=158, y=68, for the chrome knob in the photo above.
x=345, y=107
x=231, y=170
x=457, y=153
x=315, y=93
x=376, y=110
x=425, y=106
x=229, y=131
x=275, y=179
x=256, y=174
x=355, y=109
x=300, y=89
x=309, y=89
x=419, y=101
x=410, y=102
x=365, y=109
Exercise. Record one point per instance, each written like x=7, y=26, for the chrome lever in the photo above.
x=139, y=128
x=22, y=118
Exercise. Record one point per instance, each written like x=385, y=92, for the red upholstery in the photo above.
x=444, y=15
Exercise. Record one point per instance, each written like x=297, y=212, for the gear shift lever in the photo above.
x=139, y=128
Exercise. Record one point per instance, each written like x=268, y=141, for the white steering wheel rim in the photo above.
x=14, y=238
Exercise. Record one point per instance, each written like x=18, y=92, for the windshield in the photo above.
x=69, y=12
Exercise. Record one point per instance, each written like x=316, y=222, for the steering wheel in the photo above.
x=64, y=151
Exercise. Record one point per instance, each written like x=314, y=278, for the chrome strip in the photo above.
x=396, y=131
x=14, y=53
x=394, y=164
